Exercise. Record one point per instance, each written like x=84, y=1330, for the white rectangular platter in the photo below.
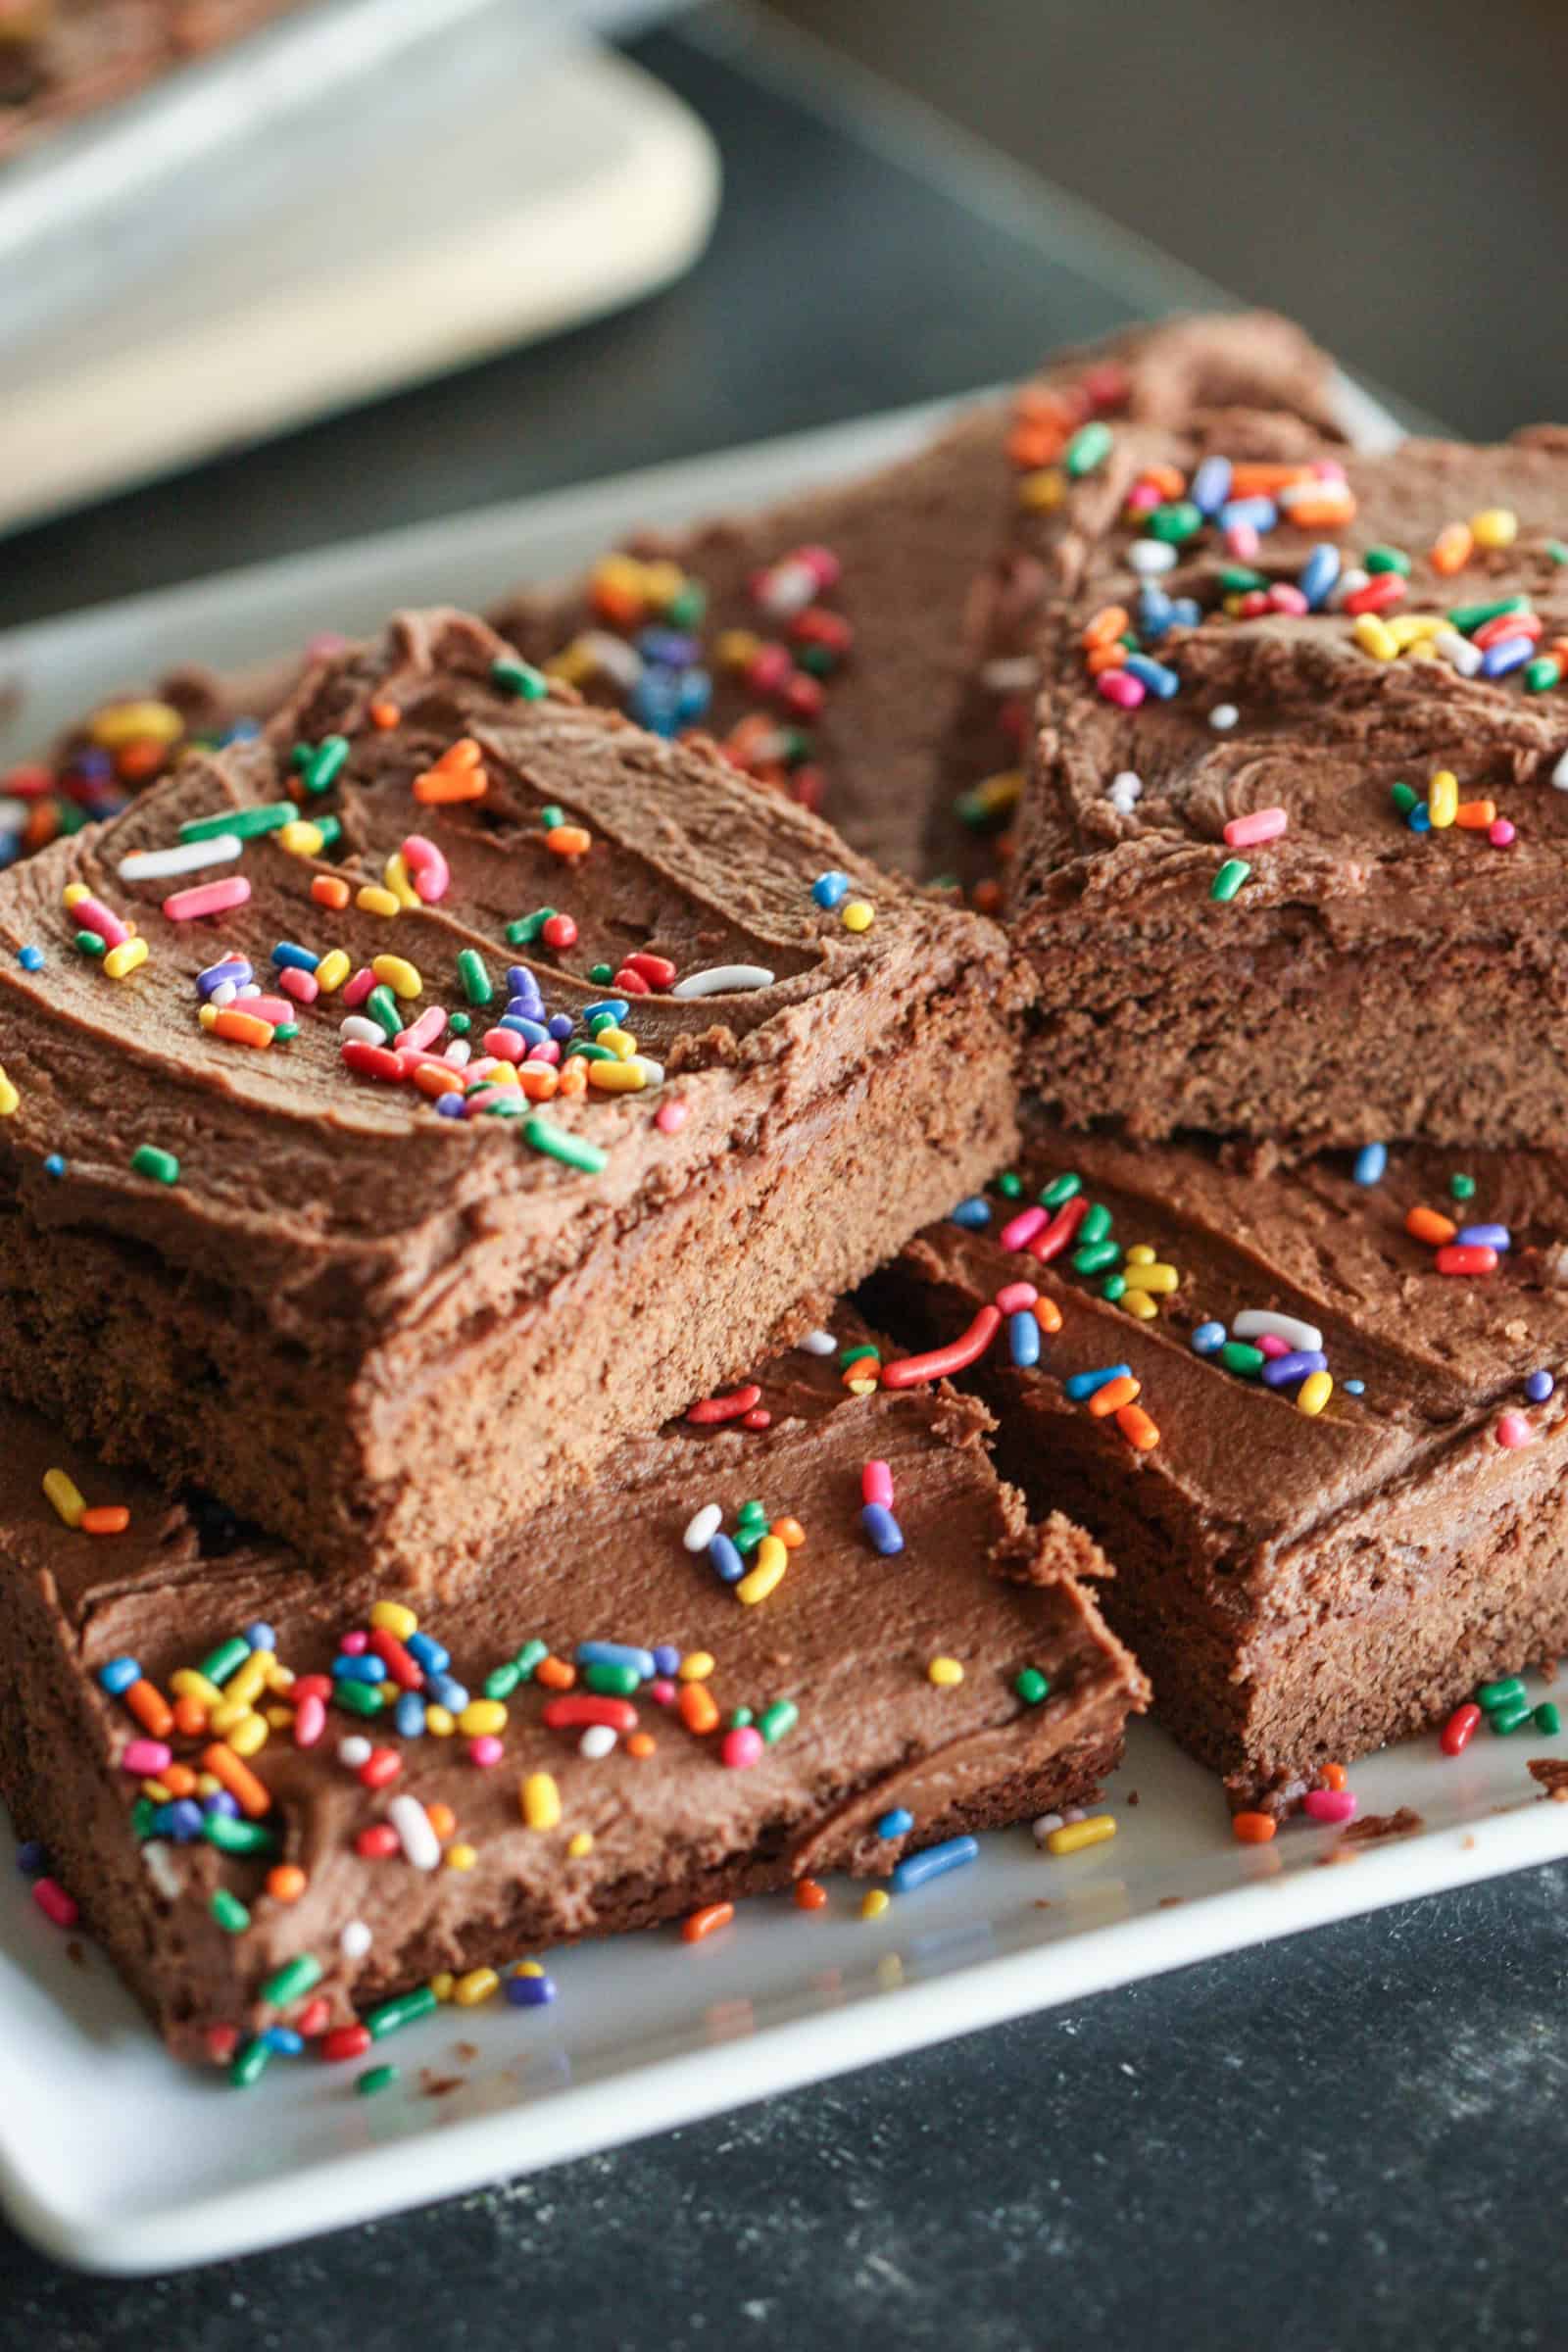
x=114, y=2157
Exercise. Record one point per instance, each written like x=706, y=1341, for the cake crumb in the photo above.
x=1373, y=1826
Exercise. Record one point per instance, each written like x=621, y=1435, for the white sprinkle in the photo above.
x=1017, y=674
x=1129, y=783
x=1559, y=774
x=787, y=589
x=354, y=1752
x=250, y=988
x=1258, y=1322
x=354, y=1940
x=1458, y=651
x=362, y=1031
x=819, y=1342
x=597, y=1743
x=1223, y=718
x=1351, y=582
x=458, y=1054
x=613, y=656
x=186, y=858
x=224, y=994
x=1044, y=1827
x=1150, y=557
x=14, y=815
x=419, y=1840
x=702, y=1526
x=724, y=980
x=652, y=1071
x=1073, y=1813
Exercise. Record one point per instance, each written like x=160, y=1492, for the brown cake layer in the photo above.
x=390, y=1334
x=1300, y=1588
x=847, y=1638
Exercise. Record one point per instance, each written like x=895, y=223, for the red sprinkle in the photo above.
x=956, y=1357
x=345, y=2041
x=381, y=1765
x=757, y=1418
x=1460, y=1728
x=714, y=1410
x=577, y=1712
x=372, y=1061
x=312, y=2019
x=1467, y=1257
x=378, y=1843
x=53, y=1902
x=400, y=1666
x=705, y=1922
x=1060, y=1232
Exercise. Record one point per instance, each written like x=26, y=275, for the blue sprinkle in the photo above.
x=1486, y=1237
x=448, y=1692
x=666, y=1659
x=521, y=1024
x=241, y=730
x=618, y=1653
x=408, y=1716
x=31, y=1858
x=451, y=1106
x=222, y=1802
x=896, y=1823
x=1210, y=485
x=1207, y=1338
x=561, y=1026
x=696, y=695
x=1370, y=1163
x=427, y=1651
x=233, y=967
x=830, y=888
x=617, y=1009
x=1186, y=612
x=1419, y=819
x=1080, y=1385
x=728, y=1566
x=1155, y=612
x=54, y=1166
x=1023, y=1339
x=1155, y=676
x=530, y=1993
x=283, y=2041
x=119, y=1675
x=882, y=1528
x=1538, y=1387
x=1261, y=513
x=1509, y=653
x=675, y=648
x=1280, y=1370
x=914, y=1870
x=182, y=1820
x=294, y=959
x=1353, y=1387
x=31, y=959
x=973, y=1214
x=261, y=1634
x=1317, y=576
x=654, y=702
x=347, y=1668
x=522, y=982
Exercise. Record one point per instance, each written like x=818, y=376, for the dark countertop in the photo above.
x=1349, y=2139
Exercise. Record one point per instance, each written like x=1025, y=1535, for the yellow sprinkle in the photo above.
x=574, y=662
x=395, y=875
x=122, y=962
x=945, y=1673
x=279, y=1678
x=279, y=1718
x=695, y=1666
x=476, y=1986
x=440, y=1722
x=618, y=1077
x=8, y=1097
x=332, y=970
x=248, y=1734
x=157, y=1792
x=862, y=1388
x=1373, y=637
x=441, y=1985
x=66, y=1495
x=771, y=1561
x=1159, y=1278
x=736, y=647
x=529, y=1968
x=661, y=580
x=482, y=1715
x=74, y=891
x=1442, y=799
x=618, y=1042
x=460, y=1856
x=1041, y=491
x=1075, y=1835
x=1422, y=650
x=999, y=793
x=137, y=723
x=857, y=915
x=889, y=1971
x=1139, y=1303
x=1314, y=1392
x=207, y=1016
x=207, y=1784
x=373, y=898
x=1141, y=1254
x=228, y=1711
x=1408, y=628
x=248, y=1684
x=1494, y=526
x=874, y=1902
x=301, y=838
x=540, y=1799
x=394, y=1618
x=187, y=1683
x=579, y=1845
x=398, y=974
x=616, y=571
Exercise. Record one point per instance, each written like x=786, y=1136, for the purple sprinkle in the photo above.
x=1486, y=1237
x=530, y=1993
x=1538, y=1387
x=666, y=1658
x=1281, y=1370
x=31, y=1858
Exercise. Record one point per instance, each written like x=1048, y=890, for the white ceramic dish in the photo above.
x=114, y=2157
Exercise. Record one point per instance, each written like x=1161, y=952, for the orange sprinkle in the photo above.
x=573, y=1077
x=330, y=890
x=237, y=1778
x=699, y=1710
x=1476, y=815
x=1138, y=1429
x=554, y=1674
x=1113, y=1396
x=808, y=1895
x=790, y=1533
x=136, y=761
x=1335, y=1776
x=241, y=1028
x=987, y=896
x=384, y=715
x=1169, y=480
x=1110, y=621
x=439, y=785
x=442, y=1819
x=642, y=1744
x=1452, y=548
x=178, y=1780
x=1107, y=657
x=569, y=841
x=1315, y=513
x=702, y=1922
x=1047, y=1314
x=1259, y=480
x=105, y=1519
x=1253, y=1829
x=434, y=1078
x=190, y=1717
x=1035, y=441
x=465, y=753
x=621, y=606
x=540, y=1085
x=286, y=1883
x=1430, y=1225
x=151, y=1708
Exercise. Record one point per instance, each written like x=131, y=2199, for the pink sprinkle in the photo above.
x=1271, y=1344
x=1241, y=541
x=267, y=1008
x=1142, y=499
x=505, y=1045
x=1117, y=687
x=1019, y=1230
x=823, y=564
x=1263, y=824
x=1329, y=469
x=425, y=1030
x=355, y=1644
x=56, y=1904
x=662, y=1690
x=876, y=1484
x=1515, y=1431
x=1014, y=1297
x=356, y=991
x=323, y=647
x=313, y=2019
x=739, y=1748
x=91, y=915
x=670, y=1118
x=303, y=987
x=1331, y=1804
x=428, y=868
x=485, y=1751
x=309, y=1720
x=1285, y=597
x=1500, y=834
x=146, y=1758
x=207, y=898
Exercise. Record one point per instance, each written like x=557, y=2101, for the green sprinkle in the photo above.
x=382, y=1007
x=402, y=2012
x=1556, y=551
x=601, y=1021
x=781, y=1717
x=331, y=828
x=1095, y=1258
x=1462, y=1188
x=375, y=2078
x=755, y=1507
x=246, y=822
x=1547, y=1719
x=1237, y=1356
x=558, y=1144
x=748, y=1535
x=1511, y=1718
x=226, y=1659
x=1468, y=617
x=1060, y=1190
x=478, y=985
x=1175, y=523
x=1090, y=446
x=740, y=1719
x=1096, y=1226
x=229, y=1912
x=521, y=678
x=1405, y=798
x=599, y=973
x=687, y=607
x=526, y=929
x=149, y=1160
x=552, y=816
x=530, y=1655
x=320, y=768
x=238, y=1836
x=91, y=943
x=852, y=1355
x=144, y=1818
x=583, y=1048
x=359, y=1698
x=460, y=1024
x=503, y=1682
x=1114, y=1287
x=1011, y=1186
x=1240, y=579
x=285, y=1032
x=1032, y=1686
x=250, y=2063
x=1542, y=674
x=1386, y=559
x=1507, y=1693
x=1228, y=881
x=294, y=1979
x=610, y=1681
x=818, y=661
